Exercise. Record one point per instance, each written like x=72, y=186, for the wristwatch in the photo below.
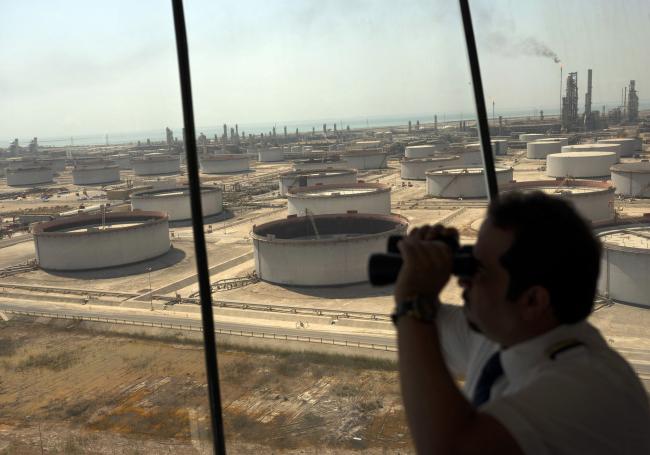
x=424, y=309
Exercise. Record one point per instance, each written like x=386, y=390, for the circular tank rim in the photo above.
x=316, y=160
x=296, y=192
x=442, y=170
x=13, y=170
x=53, y=228
x=353, y=153
x=398, y=222
x=599, y=186
x=641, y=167
x=583, y=155
x=432, y=159
x=318, y=172
x=226, y=157
x=155, y=158
x=610, y=228
x=96, y=167
x=144, y=194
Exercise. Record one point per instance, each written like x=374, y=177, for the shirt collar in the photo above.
x=520, y=359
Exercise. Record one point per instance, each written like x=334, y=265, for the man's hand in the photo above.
x=427, y=262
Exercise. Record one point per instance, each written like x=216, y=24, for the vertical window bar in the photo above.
x=479, y=99
x=205, y=292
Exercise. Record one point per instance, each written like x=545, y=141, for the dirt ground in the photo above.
x=70, y=388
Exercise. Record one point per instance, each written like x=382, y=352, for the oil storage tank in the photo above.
x=29, y=174
x=616, y=148
x=539, y=150
x=593, y=199
x=419, y=151
x=366, y=159
x=95, y=173
x=629, y=145
x=528, y=137
x=156, y=164
x=56, y=163
x=321, y=250
x=580, y=164
x=225, y=164
x=297, y=179
x=329, y=162
x=464, y=182
x=339, y=198
x=632, y=179
x=175, y=202
x=84, y=242
x=270, y=155
x=416, y=168
x=625, y=263
x=123, y=160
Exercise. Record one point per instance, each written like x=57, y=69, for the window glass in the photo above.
x=95, y=356
x=564, y=85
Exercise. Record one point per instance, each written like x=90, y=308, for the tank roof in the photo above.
x=317, y=172
x=331, y=228
x=589, y=154
x=170, y=192
x=78, y=224
x=225, y=157
x=429, y=159
x=560, y=187
x=463, y=170
x=630, y=238
x=642, y=167
x=338, y=190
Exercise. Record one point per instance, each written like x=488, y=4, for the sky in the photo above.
x=73, y=67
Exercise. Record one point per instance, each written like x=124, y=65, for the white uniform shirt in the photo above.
x=587, y=400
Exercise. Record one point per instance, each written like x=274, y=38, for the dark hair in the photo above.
x=553, y=247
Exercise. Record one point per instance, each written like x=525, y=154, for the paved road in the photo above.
x=170, y=318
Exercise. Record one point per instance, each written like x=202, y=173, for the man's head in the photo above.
x=539, y=264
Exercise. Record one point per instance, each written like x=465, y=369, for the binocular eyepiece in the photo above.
x=383, y=268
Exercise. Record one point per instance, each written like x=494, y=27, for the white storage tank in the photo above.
x=580, y=164
x=322, y=250
x=95, y=173
x=365, y=145
x=419, y=151
x=528, y=137
x=123, y=160
x=331, y=162
x=84, y=242
x=466, y=182
x=562, y=140
x=175, y=202
x=225, y=164
x=539, y=150
x=632, y=179
x=625, y=263
x=339, y=198
x=25, y=175
x=270, y=155
x=298, y=179
x=156, y=164
x=616, y=148
x=593, y=199
x=629, y=145
x=56, y=163
x=499, y=146
x=366, y=159
x=415, y=169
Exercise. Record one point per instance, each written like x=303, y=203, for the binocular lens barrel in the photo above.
x=383, y=268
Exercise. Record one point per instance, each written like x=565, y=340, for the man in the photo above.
x=538, y=378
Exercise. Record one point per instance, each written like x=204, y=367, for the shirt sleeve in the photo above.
x=567, y=411
x=456, y=338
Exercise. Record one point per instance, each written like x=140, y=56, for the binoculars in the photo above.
x=383, y=268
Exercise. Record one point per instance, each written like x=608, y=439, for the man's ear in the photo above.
x=536, y=303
